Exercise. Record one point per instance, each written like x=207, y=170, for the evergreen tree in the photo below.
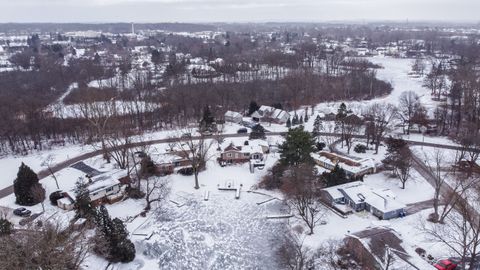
x=295, y=120
x=5, y=226
x=317, y=126
x=207, y=120
x=111, y=238
x=253, y=107
x=24, y=186
x=301, y=120
x=337, y=176
x=258, y=132
x=147, y=167
x=156, y=57
x=83, y=205
x=306, y=116
x=297, y=147
x=289, y=123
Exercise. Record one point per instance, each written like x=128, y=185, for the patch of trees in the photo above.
x=28, y=191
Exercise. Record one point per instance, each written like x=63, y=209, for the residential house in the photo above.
x=358, y=196
x=382, y=248
x=170, y=162
x=355, y=168
x=270, y=115
x=241, y=154
x=233, y=117
x=107, y=187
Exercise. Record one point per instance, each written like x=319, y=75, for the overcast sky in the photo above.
x=236, y=10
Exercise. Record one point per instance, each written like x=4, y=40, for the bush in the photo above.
x=320, y=146
x=186, y=171
x=273, y=179
x=360, y=148
x=55, y=196
x=135, y=193
x=5, y=227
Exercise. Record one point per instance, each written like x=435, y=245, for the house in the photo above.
x=107, y=187
x=376, y=247
x=358, y=196
x=237, y=154
x=170, y=162
x=233, y=117
x=271, y=115
x=355, y=168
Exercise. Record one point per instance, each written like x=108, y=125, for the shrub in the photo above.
x=320, y=146
x=135, y=193
x=55, y=196
x=186, y=171
x=273, y=179
x=360, y=148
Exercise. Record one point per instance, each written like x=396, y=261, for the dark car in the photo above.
x=242, y=130
x=22, y=212
x=445, y=264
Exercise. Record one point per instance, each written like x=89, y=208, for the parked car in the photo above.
x=186, y=135
x=242, y=130
x=445, y=264
x=22, y=212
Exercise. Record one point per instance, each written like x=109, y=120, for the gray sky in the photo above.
x=235, y=10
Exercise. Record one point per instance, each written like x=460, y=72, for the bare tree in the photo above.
x=38, y=194
x=293, y=254
x=195, y=149
x=460, y=233
x=157, y=190
x=300, y=185
x=408, y=106
x=381, y=115
x=46, y=247
x=49, y=162
x=98, y=114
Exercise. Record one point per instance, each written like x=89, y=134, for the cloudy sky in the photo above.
x=235, y=10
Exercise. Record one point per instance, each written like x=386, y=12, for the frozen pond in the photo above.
x=222, y=233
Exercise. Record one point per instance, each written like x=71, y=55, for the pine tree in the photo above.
x=5, y=226
x=25, y=184
x=317, y=126
x=337, y=176
x=83, y=205
x=306, y=116
x=111, y=238
x=297, y=147
x=258, y=132
x=289, y=123
x=301, y=120
x=295, y=120
x=253, y=108
x=207, y=120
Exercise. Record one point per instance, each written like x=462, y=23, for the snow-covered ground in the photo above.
x=225, y=233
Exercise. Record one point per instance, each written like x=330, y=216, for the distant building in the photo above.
x=233, y=117
x=270, y=114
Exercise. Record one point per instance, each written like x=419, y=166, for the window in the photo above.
x=109, y=189
x=229, y=154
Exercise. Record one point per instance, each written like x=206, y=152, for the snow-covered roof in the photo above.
x=232, y=114
x=383, y=200
x=106, y=180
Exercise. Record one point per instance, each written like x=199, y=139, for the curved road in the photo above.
x=64, y=164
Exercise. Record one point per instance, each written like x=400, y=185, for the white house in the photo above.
x=271, y=114
x=108, y=187
x=353, y=167
x=233, y=117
